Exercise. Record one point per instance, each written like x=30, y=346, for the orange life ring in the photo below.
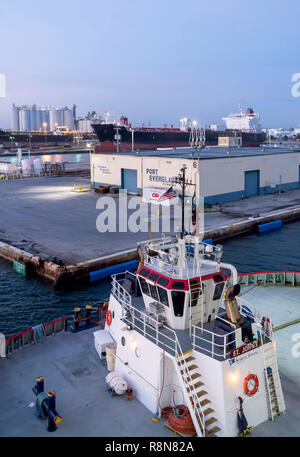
x=108, y=317
x=253, y=388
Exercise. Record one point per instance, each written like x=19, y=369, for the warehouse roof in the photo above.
x=212, y=152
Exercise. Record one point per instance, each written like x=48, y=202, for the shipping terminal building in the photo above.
x=220, y=173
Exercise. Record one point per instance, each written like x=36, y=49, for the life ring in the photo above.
x=108, y=317
x=266, y=325
x=251, y=385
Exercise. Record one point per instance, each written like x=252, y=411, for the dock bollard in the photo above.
x=45, y=405
x=53, y=417
x=76, y=319
x=88, y=310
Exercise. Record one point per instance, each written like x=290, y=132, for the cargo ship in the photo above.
x=122, y=136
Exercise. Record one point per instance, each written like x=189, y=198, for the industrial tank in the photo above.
x=26, y=167
x=38, y=166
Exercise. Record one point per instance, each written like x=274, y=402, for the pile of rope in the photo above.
x=181, y=421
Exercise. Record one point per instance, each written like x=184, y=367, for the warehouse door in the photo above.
x=251, y=183
x=129, y=180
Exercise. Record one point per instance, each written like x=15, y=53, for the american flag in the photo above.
x=167, y=195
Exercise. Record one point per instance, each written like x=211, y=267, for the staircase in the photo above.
x=275, y=395
x=196, y=395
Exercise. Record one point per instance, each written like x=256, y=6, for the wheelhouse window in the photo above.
x=144, y=286
x=179, y=285
x=144, y=272
x=163, y=296
x=153, y=277
x=218, y=278
x=163, y=281
x=153, y=292
x=178, y=302
x=218, y=291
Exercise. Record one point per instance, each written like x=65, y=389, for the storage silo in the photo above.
x=33, y=124
x=15, y=118
x=53, y=119
x=24, y=119
x=68, y=118
x=45, y=119
x=38, y=119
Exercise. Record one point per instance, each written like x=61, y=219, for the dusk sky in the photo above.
x=153, y=60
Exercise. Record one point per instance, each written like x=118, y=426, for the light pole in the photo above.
x=183, y=184
x=45, y=127
x=132, y=139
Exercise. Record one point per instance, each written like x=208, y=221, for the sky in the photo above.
x=156, y=61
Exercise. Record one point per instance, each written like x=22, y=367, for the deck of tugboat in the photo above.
x=71, y=367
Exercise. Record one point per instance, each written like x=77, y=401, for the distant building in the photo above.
x=30, y=118
x=282, y=133
x=84, y=124
x=230, y=141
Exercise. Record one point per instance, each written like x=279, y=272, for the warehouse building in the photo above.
x=219, y=174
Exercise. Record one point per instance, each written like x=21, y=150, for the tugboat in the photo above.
x=192, y=350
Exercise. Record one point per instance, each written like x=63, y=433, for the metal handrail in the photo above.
x=257, y=316
x=213, y=335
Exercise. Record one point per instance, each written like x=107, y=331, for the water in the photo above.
x=77, y=161
x=27, y=302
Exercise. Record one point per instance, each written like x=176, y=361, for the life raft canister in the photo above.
x=108, y=317
x=266, y=325
x=251, y=384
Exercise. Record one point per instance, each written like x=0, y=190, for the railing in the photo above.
x=267, y=278
x=163, y=267
x=26, y=338
x=205, y=341
x=118, y=291
x=263, y=321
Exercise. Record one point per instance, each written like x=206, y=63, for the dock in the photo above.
x=52, y=229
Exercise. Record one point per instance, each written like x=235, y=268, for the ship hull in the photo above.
x=148, y=139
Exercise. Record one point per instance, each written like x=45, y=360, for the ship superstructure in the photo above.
x=244, y=121
x=183, y=336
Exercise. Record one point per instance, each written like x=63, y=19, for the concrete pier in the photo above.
x=52, y=229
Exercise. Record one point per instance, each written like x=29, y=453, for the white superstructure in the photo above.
x=185, y=341
x=245, y=120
